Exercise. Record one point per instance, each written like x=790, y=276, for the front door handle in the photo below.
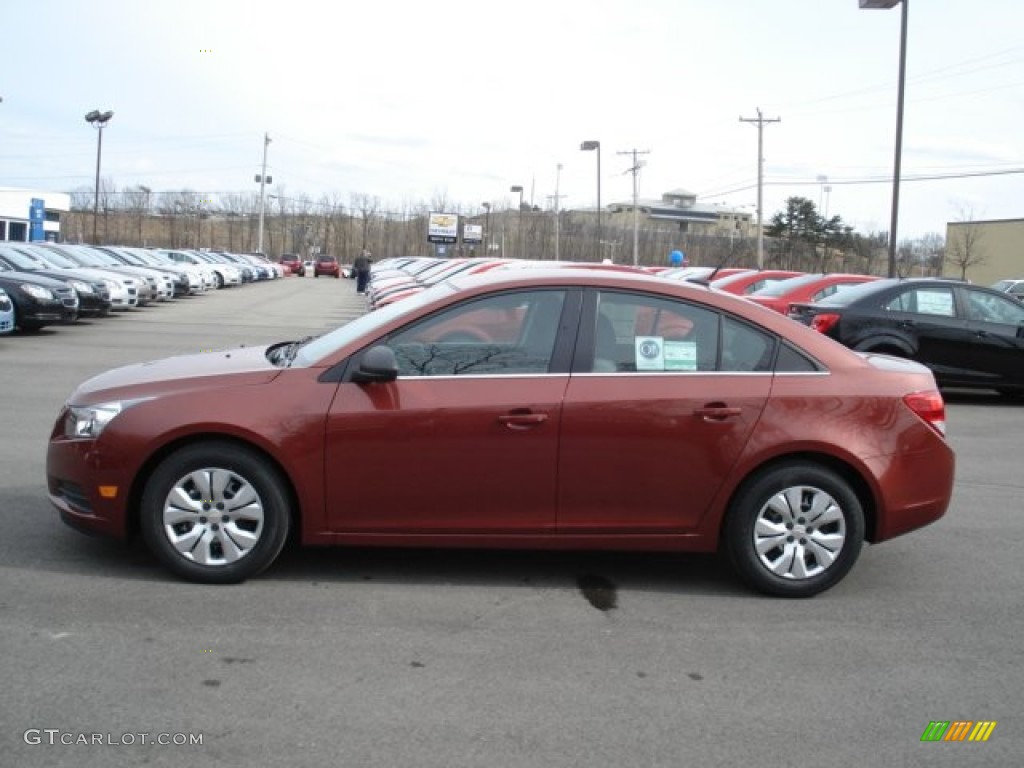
x=522, y=420
x=715, y=412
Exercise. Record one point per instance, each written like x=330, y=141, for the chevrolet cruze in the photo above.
x=568, y=409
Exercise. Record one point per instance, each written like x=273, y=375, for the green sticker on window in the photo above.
x=680, y=355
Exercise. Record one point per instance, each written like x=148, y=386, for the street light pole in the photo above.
x=519, y=188
x=588, y=146
x=894, y=220
x=98, y=120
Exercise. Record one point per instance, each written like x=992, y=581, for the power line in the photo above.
x=866, y=180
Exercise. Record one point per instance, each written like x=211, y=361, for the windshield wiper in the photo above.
x=289, y=352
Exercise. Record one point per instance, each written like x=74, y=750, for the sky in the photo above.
x=452, y=102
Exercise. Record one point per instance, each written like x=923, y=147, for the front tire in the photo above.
x=215, y=513
x=794, y=530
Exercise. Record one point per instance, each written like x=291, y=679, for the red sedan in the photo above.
x=804, y=288
x=752, y=281
x=570, y=409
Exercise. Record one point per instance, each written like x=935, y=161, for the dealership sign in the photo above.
x=443, y=228
x=472, y=233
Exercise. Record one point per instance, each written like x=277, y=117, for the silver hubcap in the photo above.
x=213, y=516
x=799, y=532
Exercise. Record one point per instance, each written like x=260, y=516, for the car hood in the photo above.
x=241, y=365
x=13, y=278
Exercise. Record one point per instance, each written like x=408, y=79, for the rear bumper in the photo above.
x=919, y=487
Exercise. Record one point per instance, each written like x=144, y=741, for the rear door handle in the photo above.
x=717, y=412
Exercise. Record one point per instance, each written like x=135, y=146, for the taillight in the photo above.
x=824, y=322
x=930, y=407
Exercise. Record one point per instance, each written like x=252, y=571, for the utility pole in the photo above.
x=558, y=183
x=263, y=180
x=635, y=170
x=760, y=120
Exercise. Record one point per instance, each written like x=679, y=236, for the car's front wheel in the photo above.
x=215, y=512
x=794, y=530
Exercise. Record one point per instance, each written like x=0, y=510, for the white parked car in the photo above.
x=1013, y=287
x=205, y=268
x=6, y=312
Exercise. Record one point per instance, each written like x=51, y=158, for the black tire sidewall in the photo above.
x=743, y=514
x=256, y=470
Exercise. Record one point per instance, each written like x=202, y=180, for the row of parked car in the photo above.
x=324, y=264
x=45, y=284
x=968, y=335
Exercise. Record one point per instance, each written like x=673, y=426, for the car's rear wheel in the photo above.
x=794, y=530
x=215, y=513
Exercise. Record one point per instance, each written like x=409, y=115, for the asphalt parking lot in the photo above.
x=397, y=658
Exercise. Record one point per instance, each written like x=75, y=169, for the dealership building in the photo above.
x=31, y=215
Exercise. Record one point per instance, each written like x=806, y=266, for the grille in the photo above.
x=67, y=297
x=73, y=494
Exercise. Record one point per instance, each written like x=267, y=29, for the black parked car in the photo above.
x=93, y=294
x=38, y=301
x=968, y=335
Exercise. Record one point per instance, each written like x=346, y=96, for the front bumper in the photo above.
x=75, y=472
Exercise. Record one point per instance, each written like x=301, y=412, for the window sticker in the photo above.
x=680, y=355
x=650, y=354
x=935, y=303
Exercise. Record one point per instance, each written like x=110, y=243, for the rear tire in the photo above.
x=794, y=530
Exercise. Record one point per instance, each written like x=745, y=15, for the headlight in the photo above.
x=80, y=287
x=88, y=421
x=112, y=285
x=37, y=291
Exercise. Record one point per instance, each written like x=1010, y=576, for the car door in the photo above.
x=663, y=396
x=465, y=440
x=996, y=326
x=927, y=315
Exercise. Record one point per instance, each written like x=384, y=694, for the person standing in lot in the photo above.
x=362, y=267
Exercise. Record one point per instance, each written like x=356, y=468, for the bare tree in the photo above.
x=137, y=201
x=367, y=207
x=965, y=247
x=932, y=253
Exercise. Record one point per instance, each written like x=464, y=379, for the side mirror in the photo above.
x=378, y=364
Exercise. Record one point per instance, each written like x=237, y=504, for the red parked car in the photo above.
x=570, y=409
x=326, y=265
x=752, y=281
x=804, y=288
x=292, y=264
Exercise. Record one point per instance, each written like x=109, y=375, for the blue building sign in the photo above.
x=36, y=216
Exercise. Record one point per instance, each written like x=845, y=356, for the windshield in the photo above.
x=56, y=259
x=325, y=345
x=20, y=260
x=785, y=286
x=848, y=294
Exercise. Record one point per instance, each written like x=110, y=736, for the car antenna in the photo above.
x=706, y=281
